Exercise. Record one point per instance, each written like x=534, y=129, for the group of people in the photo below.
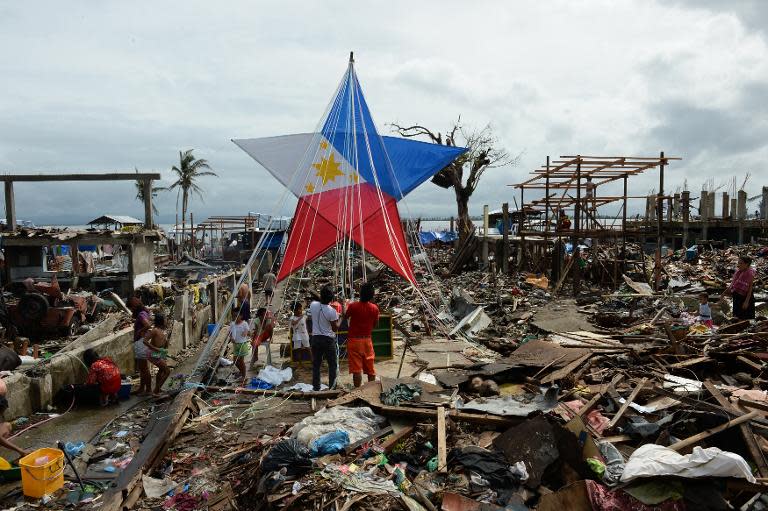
x=326, y=316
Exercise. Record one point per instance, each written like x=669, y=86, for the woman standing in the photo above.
x=141, y=324
x=741, y=289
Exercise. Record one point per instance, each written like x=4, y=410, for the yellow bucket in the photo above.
x=43, y=479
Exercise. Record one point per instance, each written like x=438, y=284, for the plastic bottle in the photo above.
x=42, y=460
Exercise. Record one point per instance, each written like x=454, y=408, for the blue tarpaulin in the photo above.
x=427, y=237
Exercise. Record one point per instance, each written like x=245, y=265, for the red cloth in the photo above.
x=265, y=331
x=742, y=279
x=360, y=355
x=363, y=316
x=105, y=374
x=603, y=498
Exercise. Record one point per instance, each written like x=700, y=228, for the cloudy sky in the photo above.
x=109, y=86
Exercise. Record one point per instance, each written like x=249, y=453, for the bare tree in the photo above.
x=464, y=173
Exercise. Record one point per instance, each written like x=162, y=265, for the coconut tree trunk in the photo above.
x=183, y=219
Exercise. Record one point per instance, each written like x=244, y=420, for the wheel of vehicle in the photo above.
x=74, y=325
x=33, y=306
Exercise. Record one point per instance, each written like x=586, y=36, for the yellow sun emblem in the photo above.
x=310, y=188
x=328, y=169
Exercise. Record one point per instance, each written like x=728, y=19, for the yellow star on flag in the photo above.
x=309, y=187
x=328, y=169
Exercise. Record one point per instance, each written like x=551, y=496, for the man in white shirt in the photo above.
x=325, y=322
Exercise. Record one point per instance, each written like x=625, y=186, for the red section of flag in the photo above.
x=360, y=212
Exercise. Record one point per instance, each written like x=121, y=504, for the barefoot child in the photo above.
x=156, y=342
x=300, y=334
x=240, y=335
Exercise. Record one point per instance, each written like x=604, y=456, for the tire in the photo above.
x=74, y=326
x=33, y=307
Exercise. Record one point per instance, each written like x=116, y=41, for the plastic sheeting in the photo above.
x=359, y=423
x=653, y=460
x=427, y=237
x=275, y=376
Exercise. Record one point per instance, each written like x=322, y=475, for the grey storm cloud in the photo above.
x=113, y=86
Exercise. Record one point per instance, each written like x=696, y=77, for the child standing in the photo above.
x=156, y=341
x=300, y=333
x=705, y=312
x=239, y=333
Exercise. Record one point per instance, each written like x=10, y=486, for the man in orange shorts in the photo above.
x=362, y=317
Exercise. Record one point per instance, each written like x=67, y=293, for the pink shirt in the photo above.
x=742, y=279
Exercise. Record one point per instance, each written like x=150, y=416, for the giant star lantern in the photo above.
x=348, y=180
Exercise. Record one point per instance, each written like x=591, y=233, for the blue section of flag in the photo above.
x=400, y=164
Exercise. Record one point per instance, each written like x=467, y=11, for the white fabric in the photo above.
x=290, y=158
x=322, y=316
x=300, y=334
x=705, y=312
x=275, y=376
x=651, y=460
x=239, y=333
x=306, y=387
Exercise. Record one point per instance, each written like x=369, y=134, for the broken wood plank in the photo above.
x=755, y=405
x=474, y=418
x=746, y=430
x=565, y=371
x=627, y=402
x=695, y=439
x=599, y=395
x=378, y=434
x=321, y=394
x=754, y=365
x=442, y=451
x=689, y=362
x=393, y=440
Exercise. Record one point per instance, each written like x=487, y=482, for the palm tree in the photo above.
x=187, y=173
x=140, y=192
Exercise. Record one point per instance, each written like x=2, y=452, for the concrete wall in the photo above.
x=27, y=395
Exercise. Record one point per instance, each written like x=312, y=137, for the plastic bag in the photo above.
x=275, y=376
x=330, y=443
x=288, y=454
x=651, y=460
x=614, y=463
x=359, y=423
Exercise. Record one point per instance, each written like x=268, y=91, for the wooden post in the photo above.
x=505, y=238
x=764, y=205
x=10, y=207
x=485, y=236
x=659, y=222
x=442, y=451
x=624, y=223
x=575, y=235
x=75, y=256
x=742, y=213
x=686, y=211
x=704, y=213
x=546, y=203
x=147, y=187
x=451, y=224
